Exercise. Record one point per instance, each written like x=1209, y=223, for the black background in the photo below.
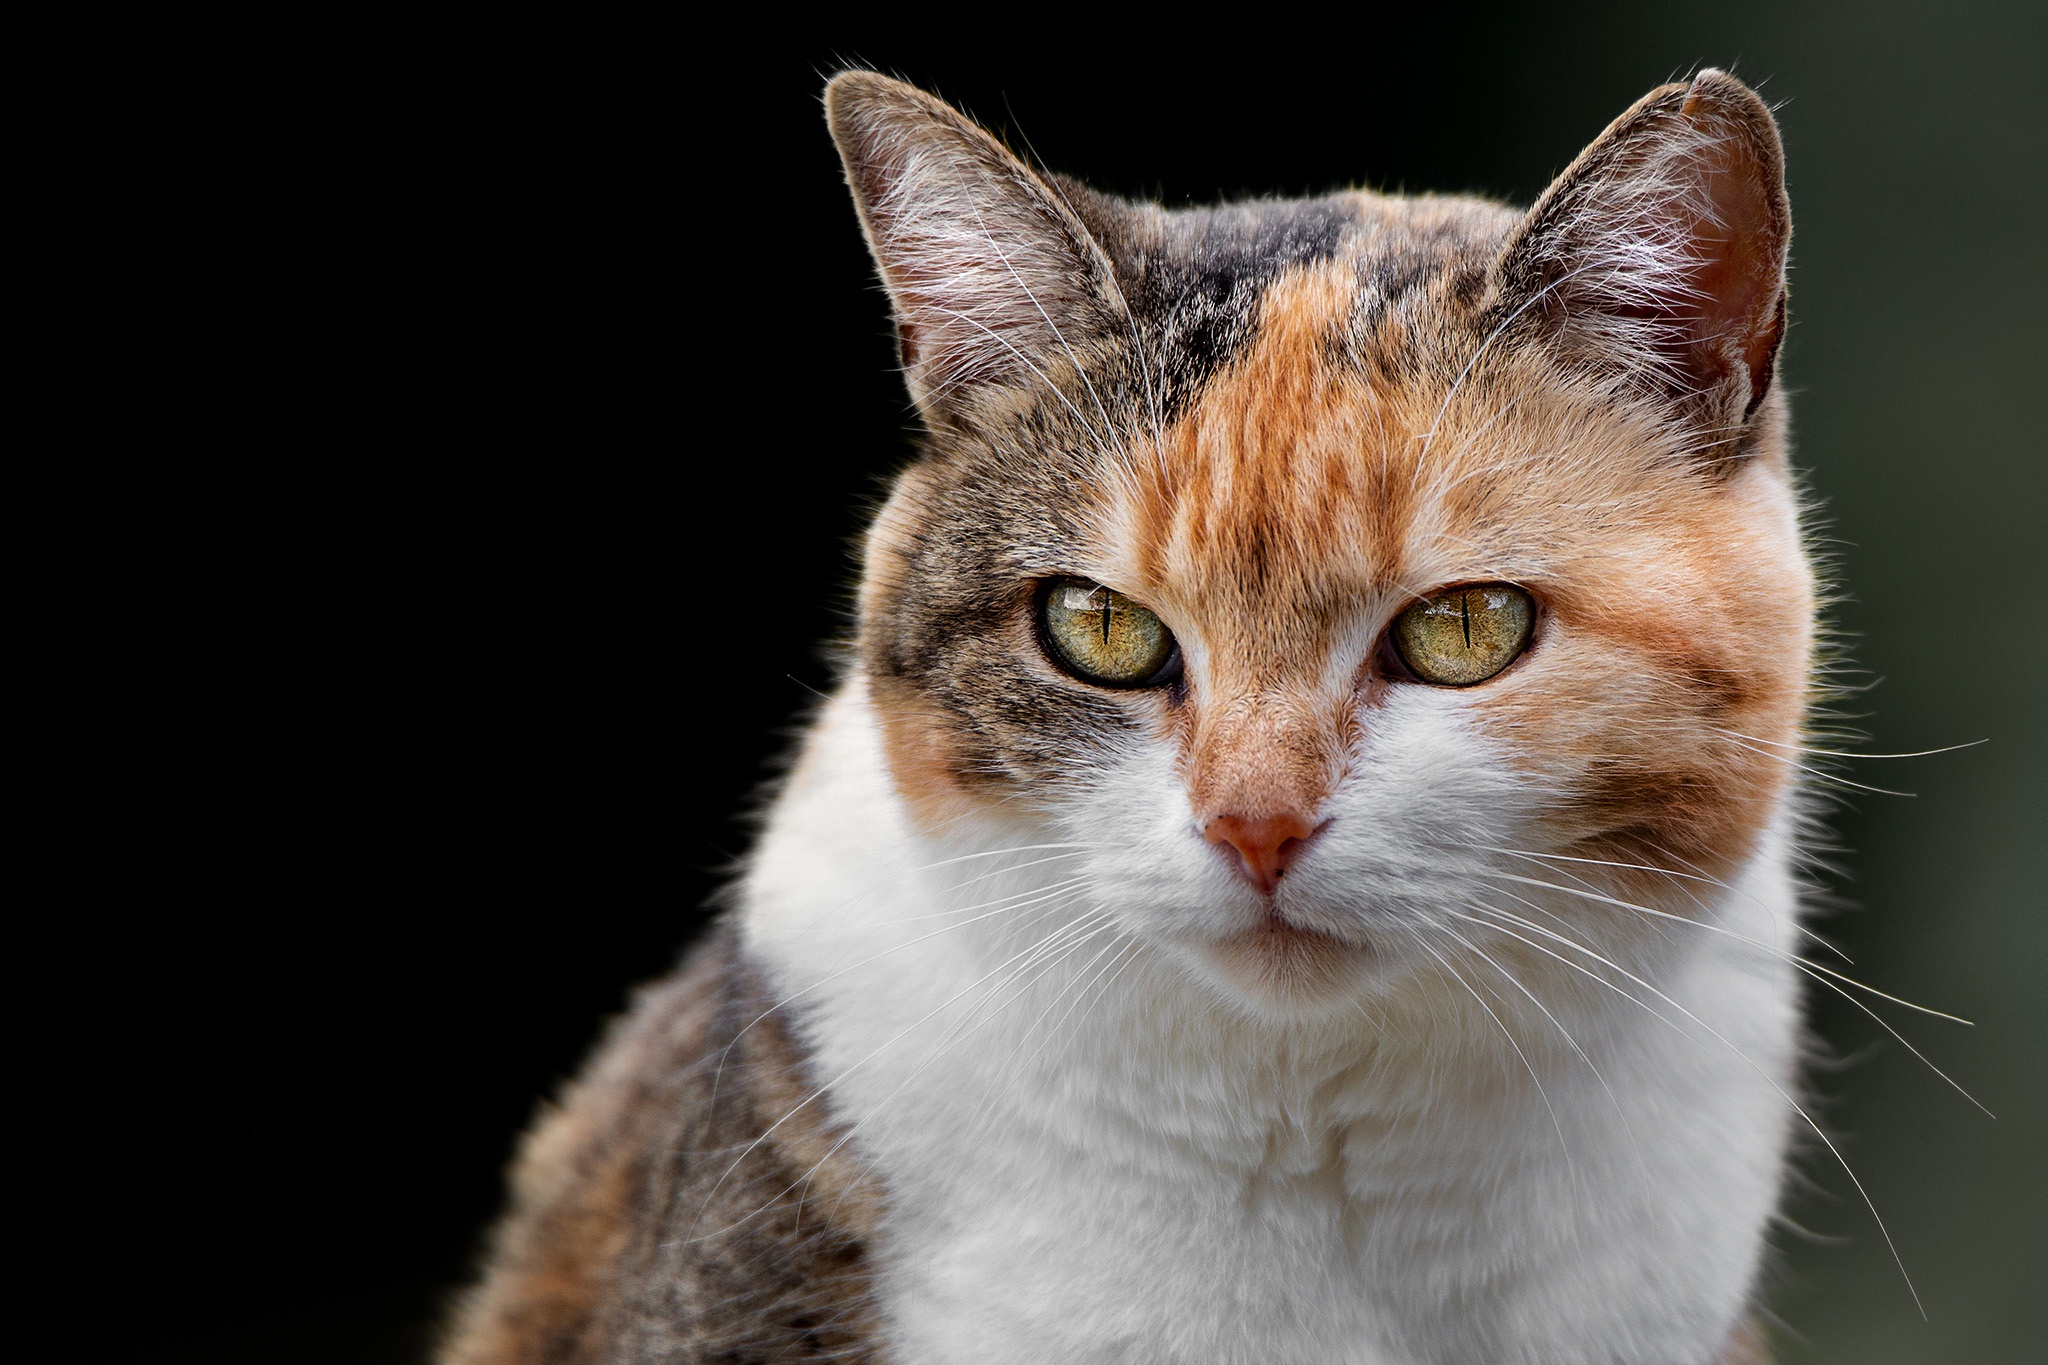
x=516, y=537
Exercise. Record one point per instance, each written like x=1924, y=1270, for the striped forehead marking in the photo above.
x=1273, y=509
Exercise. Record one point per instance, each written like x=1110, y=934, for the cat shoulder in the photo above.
x=687, y=1198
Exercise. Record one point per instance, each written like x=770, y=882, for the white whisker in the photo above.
x=1798, y=1108
x=1563, y=1146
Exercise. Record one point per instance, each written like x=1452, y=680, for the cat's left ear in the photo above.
x=1660, y=253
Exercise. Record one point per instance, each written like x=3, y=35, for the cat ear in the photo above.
x=1660, y=252
x=996, y=283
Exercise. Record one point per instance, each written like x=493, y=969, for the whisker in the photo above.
x=1820, y=972
x=1118, y=943
x=1518, y=985
x=1002, y=908
x=1079, y=848
x=1758, y=944
x=1845, y=753
x=836, y=1080
x=961, y=1030
x=1009, y=899
x=1817, y=773
x=1563, y=1146
x=1738, y=1052
x=1540, y=859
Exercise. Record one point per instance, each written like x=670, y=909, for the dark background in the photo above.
x=572, y=392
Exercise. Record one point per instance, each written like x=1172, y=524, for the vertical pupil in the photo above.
x=1105, y=622
x=1465, y=610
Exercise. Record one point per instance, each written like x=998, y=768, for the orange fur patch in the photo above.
x=1304, y=500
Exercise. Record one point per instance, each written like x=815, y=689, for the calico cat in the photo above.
x=1298, y=866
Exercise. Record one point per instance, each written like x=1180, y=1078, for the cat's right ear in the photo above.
x=997, y=286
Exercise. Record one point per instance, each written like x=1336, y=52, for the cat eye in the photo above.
x=1103, y=637
x=1463, y=636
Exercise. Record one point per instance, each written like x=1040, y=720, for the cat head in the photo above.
x=1322, y=566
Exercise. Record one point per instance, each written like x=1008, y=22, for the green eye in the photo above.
x=1463, y=636
x=1102, y=636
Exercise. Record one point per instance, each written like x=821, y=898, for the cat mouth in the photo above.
x=1278, y=930
x=1282, y=958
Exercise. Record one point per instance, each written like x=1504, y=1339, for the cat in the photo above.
x=1299, y=865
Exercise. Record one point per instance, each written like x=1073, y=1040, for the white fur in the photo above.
x=1096, y=1149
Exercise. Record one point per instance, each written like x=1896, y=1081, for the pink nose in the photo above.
x=1263, y=847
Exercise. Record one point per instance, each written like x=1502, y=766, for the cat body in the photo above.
x=1372, y=946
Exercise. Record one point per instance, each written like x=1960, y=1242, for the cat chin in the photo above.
x=1285, y=968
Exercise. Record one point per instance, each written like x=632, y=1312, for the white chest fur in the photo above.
x=1090, y=1156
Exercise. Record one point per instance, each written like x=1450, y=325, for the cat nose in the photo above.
x=1263, y=846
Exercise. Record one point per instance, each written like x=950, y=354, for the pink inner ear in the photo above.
x=1722, y=302
x=1735, y=292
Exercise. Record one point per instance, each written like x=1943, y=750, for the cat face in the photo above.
x=1279, y=455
